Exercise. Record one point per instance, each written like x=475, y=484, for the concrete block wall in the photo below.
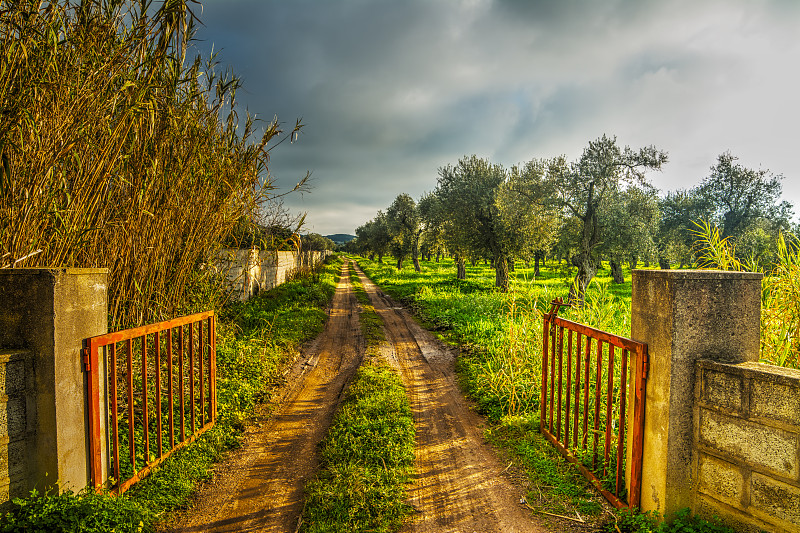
x=248, y=272
x=746, y=461
x=16, y=431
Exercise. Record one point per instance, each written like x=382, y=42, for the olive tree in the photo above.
x=740, y=195
x=580, y=188
x=402, y=219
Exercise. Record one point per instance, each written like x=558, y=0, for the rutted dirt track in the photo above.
x=459, y=485
x=261, y=487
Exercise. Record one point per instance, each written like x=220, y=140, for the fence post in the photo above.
x=685, y=315
x=50, y=312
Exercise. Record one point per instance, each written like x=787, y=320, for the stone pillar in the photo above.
x=50, y=312
x=685, y=315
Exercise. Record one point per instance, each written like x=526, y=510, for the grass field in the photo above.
x=500, y=333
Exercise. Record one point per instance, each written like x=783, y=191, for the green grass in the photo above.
x=371, y=323
x=255, y=341
x=555, y=485
x=366, y=459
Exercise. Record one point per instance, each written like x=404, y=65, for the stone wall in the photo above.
x=16, y=386
x=248, y=272
x=746, y=461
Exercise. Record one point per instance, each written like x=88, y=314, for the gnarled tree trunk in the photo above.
x=586, y=271
x=461, y=268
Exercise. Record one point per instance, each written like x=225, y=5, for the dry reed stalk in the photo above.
x=116, y=153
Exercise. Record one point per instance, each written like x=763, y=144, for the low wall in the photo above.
x=746, y=460
x=248, y=272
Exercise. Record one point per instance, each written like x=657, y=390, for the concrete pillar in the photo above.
x=50, y=312
x=685, y=315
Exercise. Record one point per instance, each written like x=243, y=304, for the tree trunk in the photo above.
x=380, y=258
x=647, y=263
x=634, y=261
x=438, y=256
x=616, y=271
x=663, y=264
x=511, y=266
x=461, y=268
x=501, y=272
x=372, y=256
x=399, y=263
x=586, y=271
x=415, y=251
x=537, y=256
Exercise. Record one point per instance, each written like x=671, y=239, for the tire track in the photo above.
x=261, y=488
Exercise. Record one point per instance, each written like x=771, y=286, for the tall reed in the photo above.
x=118, y=152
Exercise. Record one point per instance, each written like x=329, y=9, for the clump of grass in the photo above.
x=366, y=459
x=632, y=521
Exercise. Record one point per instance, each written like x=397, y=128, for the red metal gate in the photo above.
x=583, y=407
x=167, y=401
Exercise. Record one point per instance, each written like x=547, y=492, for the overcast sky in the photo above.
x=389, y=91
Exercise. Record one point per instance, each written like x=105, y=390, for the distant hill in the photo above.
x=340, y=238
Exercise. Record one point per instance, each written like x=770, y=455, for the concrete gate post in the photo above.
x=49, y=312
x=685, y=315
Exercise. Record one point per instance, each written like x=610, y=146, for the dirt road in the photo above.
x=459, y=486
x=260, y=488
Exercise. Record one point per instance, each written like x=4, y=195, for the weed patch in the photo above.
x=367, y=458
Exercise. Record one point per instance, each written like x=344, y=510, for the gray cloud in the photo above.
x=390, y=91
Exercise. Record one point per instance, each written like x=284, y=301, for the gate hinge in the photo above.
x=87, y=361
x=645, y=366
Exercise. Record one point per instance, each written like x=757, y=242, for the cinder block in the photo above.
x=722, y=389
x=12, y=458
x=772, y=498
x=12, y=418
x=754, y=443
x=775, y=400
x=721, y=479
x=12, y=377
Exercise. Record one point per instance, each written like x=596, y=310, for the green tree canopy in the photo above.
x=740, y=195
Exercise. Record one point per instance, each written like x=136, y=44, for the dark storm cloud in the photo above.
x=390, y=91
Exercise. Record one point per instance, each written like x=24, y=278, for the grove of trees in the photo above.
x=600, y=207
